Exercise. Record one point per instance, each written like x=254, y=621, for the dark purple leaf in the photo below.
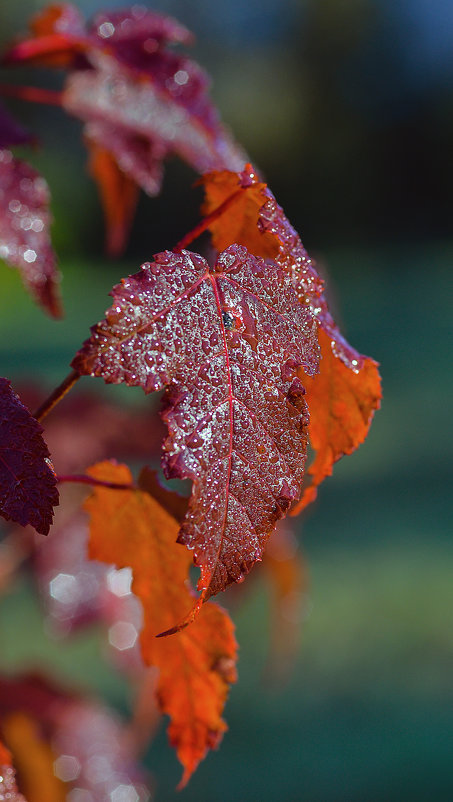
x=28, y=490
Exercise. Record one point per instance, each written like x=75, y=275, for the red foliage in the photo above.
x=251, y=363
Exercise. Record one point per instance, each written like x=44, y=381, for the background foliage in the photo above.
x=348, y=108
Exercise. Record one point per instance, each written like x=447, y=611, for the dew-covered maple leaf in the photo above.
x=344, y=395
x=24, y=229
x=141, y=101
x=197, y=667
x=28, y=490
x=226, y=342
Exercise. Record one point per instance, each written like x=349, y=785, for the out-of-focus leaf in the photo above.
x=227, y=343
x=28, y=489
x=140, y=100
x=33, y=759
x=344, y=395
x=24, y=230
x=60, y=36
x=119, y=196
x=151, y=108
x=287, y=577
x=66, y=747
x=197, y=666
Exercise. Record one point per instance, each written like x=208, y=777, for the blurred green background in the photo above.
x=348, y=109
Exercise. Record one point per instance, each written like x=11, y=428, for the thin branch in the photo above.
x=56, y=395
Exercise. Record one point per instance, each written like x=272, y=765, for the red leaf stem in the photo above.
x=84, y=479
x=207, y=221
x=56, y=395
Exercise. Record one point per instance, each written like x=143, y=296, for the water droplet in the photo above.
x=106, y=30
x=30, y=255
x=181, y=77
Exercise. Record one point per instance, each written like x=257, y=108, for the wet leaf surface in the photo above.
x=226, y=343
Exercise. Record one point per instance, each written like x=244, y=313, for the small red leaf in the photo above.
x=28, y=490
x=24, y=230
x=227, y=343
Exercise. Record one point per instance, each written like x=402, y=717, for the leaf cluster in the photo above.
x=252, y=366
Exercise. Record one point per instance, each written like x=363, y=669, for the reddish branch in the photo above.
x=56, y=395
x=83, y=478
x=207, y=221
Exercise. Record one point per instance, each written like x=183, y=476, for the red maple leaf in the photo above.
x=28, y=490
x=226, y=343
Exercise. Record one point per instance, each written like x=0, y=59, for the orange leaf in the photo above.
x=119, y=197
x=341, y=404
x=343, y=396
x=197, y=665
x=239, y=220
